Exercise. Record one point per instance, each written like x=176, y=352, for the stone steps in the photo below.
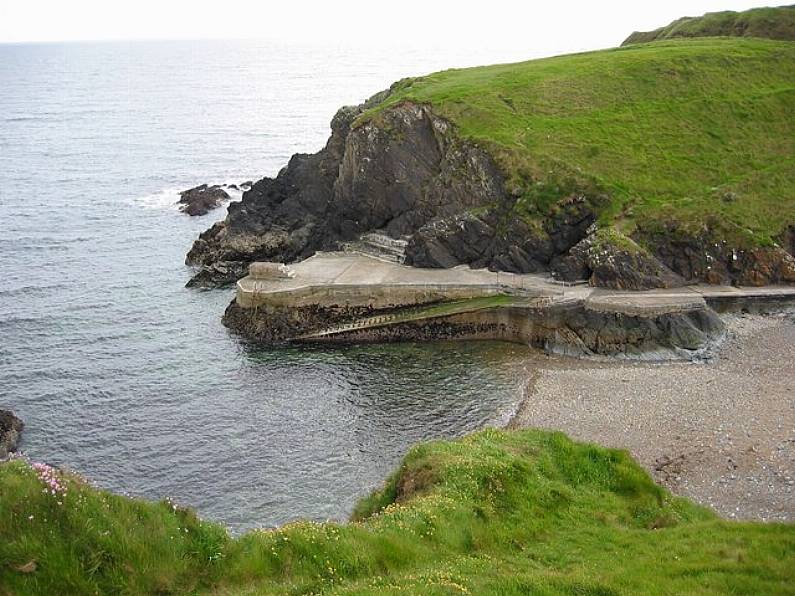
x=380, y=246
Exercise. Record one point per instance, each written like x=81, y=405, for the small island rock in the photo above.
x=200, y=200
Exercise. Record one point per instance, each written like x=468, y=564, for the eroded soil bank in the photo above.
x=719, y=432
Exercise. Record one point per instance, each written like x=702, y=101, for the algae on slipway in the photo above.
x=493, y=513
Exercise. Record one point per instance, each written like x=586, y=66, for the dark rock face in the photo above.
x=200, y=200
x=500, y=239
x=10, y=429
x=608, y=260
x=593, y=332
x=268, y=325
x=704, y=257
x=218, y=273
x=787, y=239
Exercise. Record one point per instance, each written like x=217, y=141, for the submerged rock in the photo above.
x=200, y=200
x=10, y=430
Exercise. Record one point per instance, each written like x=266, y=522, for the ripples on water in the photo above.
x=123, y=374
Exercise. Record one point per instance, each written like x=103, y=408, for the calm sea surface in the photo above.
x=129, y=378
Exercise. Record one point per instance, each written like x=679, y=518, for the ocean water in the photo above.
x=127, y=377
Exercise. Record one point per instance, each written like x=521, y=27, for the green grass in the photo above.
x=522, y=512
x=689, y=130
x=771, y=23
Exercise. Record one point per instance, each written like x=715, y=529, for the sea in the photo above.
x=128, y=378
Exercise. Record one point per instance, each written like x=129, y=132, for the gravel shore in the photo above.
x=721, y=433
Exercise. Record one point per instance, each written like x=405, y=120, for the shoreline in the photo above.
x=720, y=431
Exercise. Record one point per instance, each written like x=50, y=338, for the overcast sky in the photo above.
x=550, y=27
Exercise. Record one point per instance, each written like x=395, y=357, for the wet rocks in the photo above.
x=572, y=329
x=10, y=430
x=219, y=273
x=200, y=200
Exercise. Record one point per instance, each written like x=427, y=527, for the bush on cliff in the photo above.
x=493, y=513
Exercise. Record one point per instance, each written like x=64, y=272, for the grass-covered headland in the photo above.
x=686, y=130
x=769, y=23
x=493, y=513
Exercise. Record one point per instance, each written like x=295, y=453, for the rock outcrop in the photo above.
x=499, y=239
x=608, y=259
x=10, y=430
x=200, y=200
x=669, y=256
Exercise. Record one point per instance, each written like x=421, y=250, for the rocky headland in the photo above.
x=467, y=168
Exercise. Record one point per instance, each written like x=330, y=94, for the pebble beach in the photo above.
x=721, y=432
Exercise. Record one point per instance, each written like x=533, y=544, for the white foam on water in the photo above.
x=168, y=198
x=163, y=199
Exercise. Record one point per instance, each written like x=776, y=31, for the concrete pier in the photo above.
x=354, y=297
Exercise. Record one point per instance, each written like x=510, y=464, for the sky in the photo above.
x=547, y=27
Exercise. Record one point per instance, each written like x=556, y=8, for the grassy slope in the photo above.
x=496, y=512
x=771, y=23
x=666, y=129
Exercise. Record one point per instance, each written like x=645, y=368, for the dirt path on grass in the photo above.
x=721, y=433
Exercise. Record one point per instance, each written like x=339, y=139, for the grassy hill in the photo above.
x=493, y=513
x=772, y=23
x=688, y=129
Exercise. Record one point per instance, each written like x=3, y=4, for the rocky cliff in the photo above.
x=405, y=172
